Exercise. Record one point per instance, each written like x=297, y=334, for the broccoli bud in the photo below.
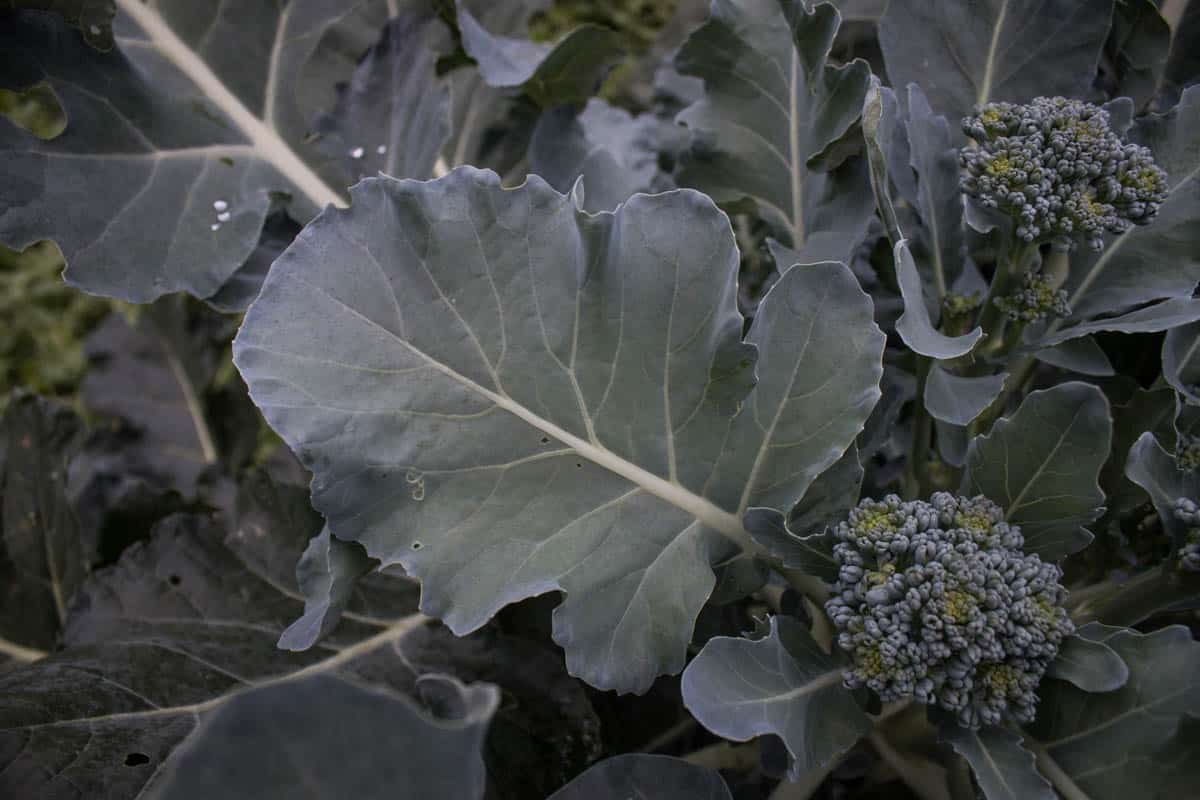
x=1037, y=299
x=1188, y=513
x=1058, y=169
x=937, y=601
x=1187, y=453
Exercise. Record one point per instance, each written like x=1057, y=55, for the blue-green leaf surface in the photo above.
x=186, y=129
x=508, y=396
x=967, y=54
x=1042, y=465
x=1097, y=740
x=1181, y=361
x=646, y=776
x=957, y=399
x=1004, y=769
x=1154, y=469
x=915, y=325
x=773, y=125
x=1086, y=661
x=783, y=684
x=327, y=737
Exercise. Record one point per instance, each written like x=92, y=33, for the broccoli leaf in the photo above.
x=783, y=684
x=188, y=128
x=914, y=326
x=93, y=18
x=615, y=152
x=1154, y=469
x=641, y=775
x=1087, y=662
x=957, y=399
x=1181, y=361
x=933, y=144
x=1004, y=769
x=1138, y=50
x=1042, y=464
x=567, y=71
x=1161, y=259
x=327, y=574
x=327, y=737
x=1094, y=739
x=1151, y=319
x=1080, y=354
x=42, y=557
x=776, y=124
x=188, y=620
x=393, y=115
x=966, y=54
x=508, y=396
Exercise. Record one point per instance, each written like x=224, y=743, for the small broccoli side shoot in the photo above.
x=1187, y=512
x=937, y=601
x=1059, y=170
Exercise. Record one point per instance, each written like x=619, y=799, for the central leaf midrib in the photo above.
x=391, y=635
x=269, y=145
x=671, y=492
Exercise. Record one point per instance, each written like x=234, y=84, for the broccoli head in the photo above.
x=937, y=601
x=1057, y=167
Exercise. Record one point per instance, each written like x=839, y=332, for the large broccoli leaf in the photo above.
x=186, y=129
x=323, y=736
x=967, y=54
x=508, y=396
x=1004, y=769
x=776, y=123
x=1042, y=466
x=185, y=622
x=1107, y=744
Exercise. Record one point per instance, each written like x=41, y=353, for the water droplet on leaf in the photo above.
x=381, y=149
x=224, y=216
x=215, y=226
x=220, y=205
x=356, y=152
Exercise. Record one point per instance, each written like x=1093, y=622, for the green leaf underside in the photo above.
x=323, y=736
x=176, y=628
x=1042, y=466
x=1004, y=769
x=641, y=775
x=508, y=396
x=193, y=106
x=915, y=325
x=1113, y=744
x=771, y=124
x=783, y=684
x=1161, y=259
x=968, y=54
x=958, y=400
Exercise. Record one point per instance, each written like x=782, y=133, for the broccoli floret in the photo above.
x=1187, y=512
x=1059, y=170
x=937, y=601
x=1037, y=299
x=958, y=312
x=1187, y=452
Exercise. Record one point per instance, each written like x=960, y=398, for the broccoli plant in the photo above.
x=573, y=400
